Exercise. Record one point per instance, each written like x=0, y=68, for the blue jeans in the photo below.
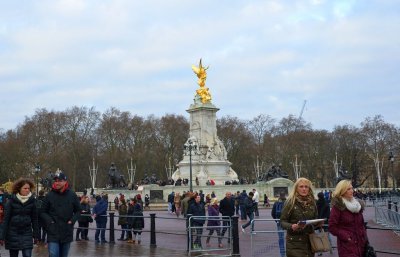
x=242, y=212
x=25, y=252
x=57, y=249
x=281, y=235
x=101, y=230
x=251, y=217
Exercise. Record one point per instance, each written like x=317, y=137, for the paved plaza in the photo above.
x=171, y=240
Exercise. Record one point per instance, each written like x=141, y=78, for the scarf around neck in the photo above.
x=304, y=200
x=353, y=206
x=23, y=198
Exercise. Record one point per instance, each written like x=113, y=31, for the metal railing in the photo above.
x=195, y=234
x=268, y=238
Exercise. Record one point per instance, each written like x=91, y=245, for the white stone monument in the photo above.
x=204, y=151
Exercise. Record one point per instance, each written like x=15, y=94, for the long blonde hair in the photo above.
x=293, y=194
x=341, y=188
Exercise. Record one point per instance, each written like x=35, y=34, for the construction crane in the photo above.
x=302, y=110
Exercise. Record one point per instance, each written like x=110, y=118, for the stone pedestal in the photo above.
x=203, y=149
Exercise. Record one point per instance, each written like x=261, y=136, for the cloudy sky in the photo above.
x=265, y=57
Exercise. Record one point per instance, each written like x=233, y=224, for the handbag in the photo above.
x=369, y=250
x=319, y=242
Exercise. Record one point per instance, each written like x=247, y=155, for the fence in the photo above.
x=387, y=213
x=267, y=239
x=230, y=224
x=264, y=238
x=195, y=234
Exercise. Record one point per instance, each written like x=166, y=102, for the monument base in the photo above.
x=159, y=194
x=217, y=171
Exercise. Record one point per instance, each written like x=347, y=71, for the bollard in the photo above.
x=235, y=236
x=112, y=229
x=395, y=206
x=389, y=205
x=153, y=230
x=187, y=232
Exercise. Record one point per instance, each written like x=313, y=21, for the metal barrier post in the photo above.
x=112, y=229
x=235, y=236
x=188, y=232
x=153, y=230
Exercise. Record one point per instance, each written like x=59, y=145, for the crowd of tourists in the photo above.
x=48, y=219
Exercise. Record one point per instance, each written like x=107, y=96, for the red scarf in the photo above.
x=62, y=190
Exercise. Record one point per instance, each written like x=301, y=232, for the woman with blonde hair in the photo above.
x=346, y=221
x=300, y=205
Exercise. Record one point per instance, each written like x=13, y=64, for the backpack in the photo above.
x=278, y=209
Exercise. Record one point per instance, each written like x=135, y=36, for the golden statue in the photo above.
x=203, y=90
x=7, y=187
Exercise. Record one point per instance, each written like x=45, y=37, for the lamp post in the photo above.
x=190, y=146
x=391, y=159
x=37, y=170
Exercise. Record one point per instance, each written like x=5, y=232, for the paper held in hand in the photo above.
x=308, y=222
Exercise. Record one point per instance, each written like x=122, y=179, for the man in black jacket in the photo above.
x=197, y=209
x=61, y=209
x=227, y=209
x=249, y=207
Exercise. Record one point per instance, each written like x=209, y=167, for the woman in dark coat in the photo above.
x=21, y=227
x=84, y=219
x=346, y=221
x=299, y=206
x=122, y=219
x=137, y=222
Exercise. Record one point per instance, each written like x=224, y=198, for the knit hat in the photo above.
x=60, y=176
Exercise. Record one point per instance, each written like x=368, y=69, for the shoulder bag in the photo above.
x=369, y=250
x=319, y=242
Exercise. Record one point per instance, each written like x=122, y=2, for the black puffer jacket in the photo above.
x=58, y=210
x=20, y=224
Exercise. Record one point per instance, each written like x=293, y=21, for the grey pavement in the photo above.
x=171, y=240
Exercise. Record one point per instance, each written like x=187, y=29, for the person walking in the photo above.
x=137, y=223
x=147, y=202
x=266, y=200
x=242, y=204
x=276, y=214
x=237, y=203
x=171, y=202
x=324, y=213
x=20, y=224
x=299, y=206
x=256, y=200
x=196, y=208
x=61, y=209
x=123, y=219
x=249, y=210
x=39, y=207
x=213, y=222
x=185, y=203
x=84, y=220
x=227, y=210
x=177, y=203
x=99, y=214
x=346, y=221
x=131, y=206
